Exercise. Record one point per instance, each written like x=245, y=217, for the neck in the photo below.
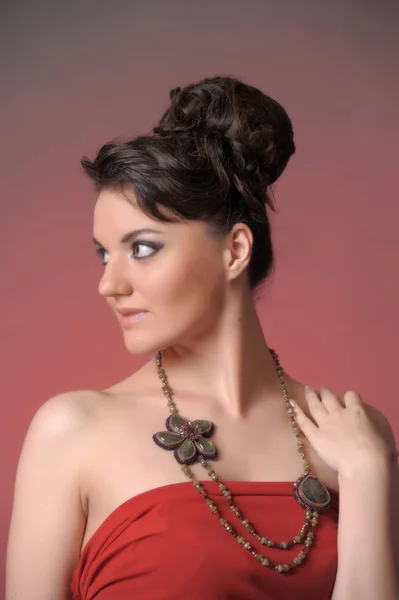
x=230, y=363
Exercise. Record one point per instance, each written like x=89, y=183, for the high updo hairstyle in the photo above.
x=212, y=157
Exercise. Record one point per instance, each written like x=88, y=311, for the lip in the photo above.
x=127, y=316
x=126, y=311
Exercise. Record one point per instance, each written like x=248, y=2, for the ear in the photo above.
x=238, y=251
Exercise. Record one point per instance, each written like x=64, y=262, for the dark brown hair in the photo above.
x=213, y=156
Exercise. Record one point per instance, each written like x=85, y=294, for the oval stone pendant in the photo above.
x=312, y=494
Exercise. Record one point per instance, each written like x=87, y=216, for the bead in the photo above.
x=199, y=430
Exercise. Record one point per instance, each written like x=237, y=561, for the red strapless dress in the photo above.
x=165, y=544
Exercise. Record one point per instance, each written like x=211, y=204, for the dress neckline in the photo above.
x=238, y=488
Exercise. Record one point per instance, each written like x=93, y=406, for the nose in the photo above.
x=115, y=281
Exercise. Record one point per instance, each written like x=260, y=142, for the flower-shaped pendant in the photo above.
x=188, y=439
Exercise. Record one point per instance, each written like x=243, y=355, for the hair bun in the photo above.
x=174, y=92
x=254, y=130
x=194, y=109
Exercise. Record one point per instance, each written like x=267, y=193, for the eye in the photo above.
x=152, y=247
x=100, y=251
x=150, y=250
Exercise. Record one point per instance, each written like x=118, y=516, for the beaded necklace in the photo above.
x=190, y=442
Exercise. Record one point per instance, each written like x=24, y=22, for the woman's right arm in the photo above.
x=48, y=517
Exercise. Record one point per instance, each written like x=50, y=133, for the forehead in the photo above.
x=116, y=213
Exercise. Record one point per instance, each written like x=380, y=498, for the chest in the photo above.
x=123, y=460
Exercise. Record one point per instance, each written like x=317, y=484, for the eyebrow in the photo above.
x=131, y=235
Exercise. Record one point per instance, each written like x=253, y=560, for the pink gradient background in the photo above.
x=76, y=75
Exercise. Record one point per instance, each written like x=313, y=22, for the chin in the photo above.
x=140, y=346
x=144, y=342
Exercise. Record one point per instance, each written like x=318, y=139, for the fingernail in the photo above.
x=308, y=388
x=293, y=403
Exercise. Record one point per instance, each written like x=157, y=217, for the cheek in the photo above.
x=193, y=281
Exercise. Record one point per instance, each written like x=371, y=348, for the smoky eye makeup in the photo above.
x=151, y=246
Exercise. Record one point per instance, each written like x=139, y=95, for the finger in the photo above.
x=352, y=400
x=330, y=400
x=306, y=425
x=316, y=407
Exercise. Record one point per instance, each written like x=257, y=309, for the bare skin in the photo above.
x=87, y=452
x=124, y=461
x=237, y=388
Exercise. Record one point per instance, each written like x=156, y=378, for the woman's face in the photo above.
x=176, y=273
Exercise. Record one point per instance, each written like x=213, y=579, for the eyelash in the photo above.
x=100, y=251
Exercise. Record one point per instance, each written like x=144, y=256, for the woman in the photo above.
x=104, y=507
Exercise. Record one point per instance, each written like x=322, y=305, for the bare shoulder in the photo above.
x=48, y=516
x=67, y=412
x=62, y=420
x=59, y=423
